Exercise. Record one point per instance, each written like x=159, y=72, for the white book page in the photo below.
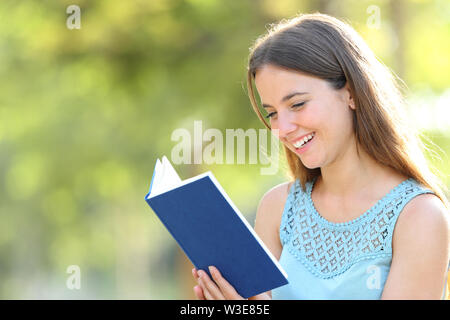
x=156, y=175
x=166, y=178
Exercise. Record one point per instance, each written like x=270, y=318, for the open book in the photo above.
x=212, y=231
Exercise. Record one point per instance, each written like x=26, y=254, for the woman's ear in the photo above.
x=350, y=100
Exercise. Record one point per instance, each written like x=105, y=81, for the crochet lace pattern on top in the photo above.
x=328, y=249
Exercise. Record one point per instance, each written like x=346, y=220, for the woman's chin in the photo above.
x=310, y=163
x=310, y=166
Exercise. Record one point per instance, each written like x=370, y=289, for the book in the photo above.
x=212, y=231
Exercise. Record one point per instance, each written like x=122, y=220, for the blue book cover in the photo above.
x=211, y=231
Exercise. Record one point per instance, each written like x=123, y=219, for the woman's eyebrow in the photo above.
x=285, y=98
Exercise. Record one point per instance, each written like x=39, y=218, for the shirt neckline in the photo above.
x=361, y=216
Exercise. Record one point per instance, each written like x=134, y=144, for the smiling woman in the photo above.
x=362, y=206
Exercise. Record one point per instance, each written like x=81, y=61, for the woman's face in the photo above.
x=299, y=106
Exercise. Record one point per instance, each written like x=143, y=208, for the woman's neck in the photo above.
x=354, y=173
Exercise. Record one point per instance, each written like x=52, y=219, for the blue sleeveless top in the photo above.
x=350, y=260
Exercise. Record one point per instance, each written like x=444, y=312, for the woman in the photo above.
x=364, y=217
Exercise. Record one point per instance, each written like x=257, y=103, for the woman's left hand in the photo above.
x=219, y=289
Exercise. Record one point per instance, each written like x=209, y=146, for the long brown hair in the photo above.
x=325, y=47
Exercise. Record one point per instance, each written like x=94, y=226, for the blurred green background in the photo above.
x=84, y=114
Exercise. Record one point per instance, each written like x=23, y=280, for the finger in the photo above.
x=206, y=293
x=199, y=293
x=210, y=290
x=194, y=273
x=202, y=288
x=225, y=287
x=210, y=286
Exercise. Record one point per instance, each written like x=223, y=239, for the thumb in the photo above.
x=199, y=293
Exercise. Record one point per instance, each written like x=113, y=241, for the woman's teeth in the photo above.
x=301, y=143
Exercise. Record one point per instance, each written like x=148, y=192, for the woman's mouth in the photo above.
x=305, y=141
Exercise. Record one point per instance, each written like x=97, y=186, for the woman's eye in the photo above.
x=270, y=115
x=298, y=105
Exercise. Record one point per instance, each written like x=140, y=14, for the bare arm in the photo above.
x=267, y=224
x=420, y=251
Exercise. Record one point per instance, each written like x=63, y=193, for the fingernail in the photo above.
x=212, y=270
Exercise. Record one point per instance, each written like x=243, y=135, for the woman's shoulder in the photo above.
x=424, y=211
x=276, y=196
x=423, y=223
x=271, y=205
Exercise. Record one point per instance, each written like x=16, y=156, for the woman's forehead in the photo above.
x=273, y=80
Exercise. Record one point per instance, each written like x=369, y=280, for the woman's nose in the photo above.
x=286, y=125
